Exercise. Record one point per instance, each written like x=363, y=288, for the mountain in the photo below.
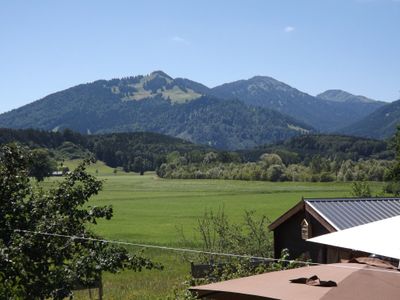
x=343, y=96
x=326, y=116
x=159, y=84
x=380, y=124
x=156, y=103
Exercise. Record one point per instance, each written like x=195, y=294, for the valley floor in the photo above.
x=151, y=210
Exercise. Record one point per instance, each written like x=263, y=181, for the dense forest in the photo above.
x=334, y=147
x=303, y=158
x=136, y=151
x=270, y=167
x=381, y=123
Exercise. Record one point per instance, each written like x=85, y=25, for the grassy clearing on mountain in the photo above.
x=99, y=168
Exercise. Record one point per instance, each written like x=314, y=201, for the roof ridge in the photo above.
x=349, y=199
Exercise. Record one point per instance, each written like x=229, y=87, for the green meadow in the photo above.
x=151, y=210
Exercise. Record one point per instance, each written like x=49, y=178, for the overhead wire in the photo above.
x=196, y=251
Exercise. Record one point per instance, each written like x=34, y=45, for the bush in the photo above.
x=361, y=189
x=326, y=177
x=276, y=173
x=393, y=188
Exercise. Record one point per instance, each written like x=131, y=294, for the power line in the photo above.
x=74, y=237
x=268, y=259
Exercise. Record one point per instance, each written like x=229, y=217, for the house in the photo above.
x=314, y=217
x=57, y=173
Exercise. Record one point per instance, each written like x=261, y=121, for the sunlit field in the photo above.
x=151, y=210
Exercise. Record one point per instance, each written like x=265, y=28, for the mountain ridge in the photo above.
x=260, y=109
x=380, y=124
x=264, y=91
x=116, y=106
x=343, y=96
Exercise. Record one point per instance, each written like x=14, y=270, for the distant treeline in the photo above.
x=334, y=147
x=137, y=151
x=308, y=157
x=303, y=158
x=270, y=167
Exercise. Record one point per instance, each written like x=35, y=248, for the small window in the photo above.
x=305, y=230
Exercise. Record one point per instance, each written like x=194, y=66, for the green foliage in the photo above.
x=393, y=188
x=34, y=266
x=311, y=157
x=40, y=164
x=271, y=159
x=271, y=168
x=217, y=233
x=251, y=237
x=361, y=189
x=393, y=174
x=276, y=173
x=138, y=152
x=70, y=151
x=305, y=148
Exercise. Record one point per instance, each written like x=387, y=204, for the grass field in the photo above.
x=149, y=210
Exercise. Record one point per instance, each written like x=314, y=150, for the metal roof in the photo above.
x=349, y=212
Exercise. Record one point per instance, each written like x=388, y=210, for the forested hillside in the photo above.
x=138, y=151
x=326, y=115
x=338, y=147
x=343, y=96
x=156, y=103
x=237, y=115
x=380, y=124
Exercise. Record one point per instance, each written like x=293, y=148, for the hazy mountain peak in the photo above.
x=160, y=73
x=338, y=95
x=259, y=78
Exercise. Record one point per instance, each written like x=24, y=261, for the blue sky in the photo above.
x=313, y=45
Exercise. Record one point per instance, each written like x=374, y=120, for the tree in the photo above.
x=271, y=159
x=393, y=174
x=36, y=266
x=40, y=164
x=276, y=173
x=140, y=165
x=361, y=189
x=210, y=158
x=217, y=234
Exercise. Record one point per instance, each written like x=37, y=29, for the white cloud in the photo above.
x=180, y=40
x=289, y=29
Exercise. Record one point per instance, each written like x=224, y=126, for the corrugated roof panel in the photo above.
x=349, y=212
